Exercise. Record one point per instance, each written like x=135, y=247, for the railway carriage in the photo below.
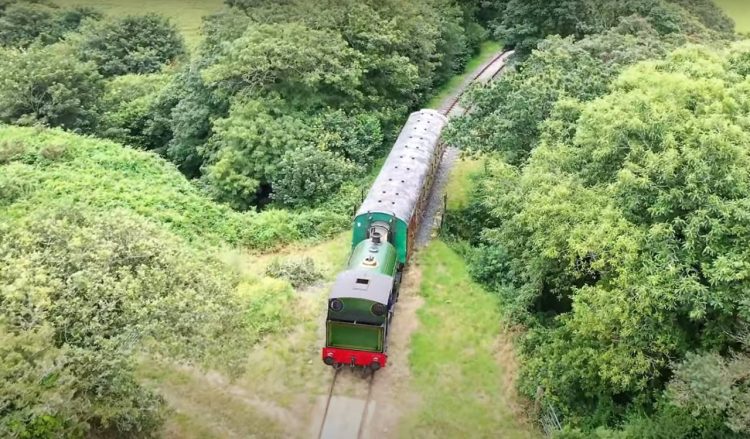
x=361, y=301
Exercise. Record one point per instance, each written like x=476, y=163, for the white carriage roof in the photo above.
x=396, y=190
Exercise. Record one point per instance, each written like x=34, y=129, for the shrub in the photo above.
x=299, y=272
x=308, y=175
x=90, y=291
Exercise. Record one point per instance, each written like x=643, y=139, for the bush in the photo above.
x=299, y=273
x=83, y=293
x=103, y=175
x=50, y=87
x=133, y=44
x=309, y=175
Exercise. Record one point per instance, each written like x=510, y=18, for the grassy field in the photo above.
x=460, y=184
x=488, y=49
x=739, y=10
x=186, y=14
x=462, y=362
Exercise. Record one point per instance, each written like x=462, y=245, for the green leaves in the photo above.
x=306, y=68
x=50, y=87
x=95, y=290
x=622, y=241
x=131, y=44
x=25, y=23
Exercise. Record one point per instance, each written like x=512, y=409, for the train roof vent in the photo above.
x=361, y=284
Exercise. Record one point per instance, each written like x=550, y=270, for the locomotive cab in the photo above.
x=358, y=316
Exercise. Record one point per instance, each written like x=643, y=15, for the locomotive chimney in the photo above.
x=376, y=237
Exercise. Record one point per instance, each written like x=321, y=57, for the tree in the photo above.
x=525, y=23
x=131, y=44
x=354, y=137
x=622, y=243
x=246, y=149
x=507, y=116
x=129, y=103
x=22, y=24
x=307, y=69
x=50, y=87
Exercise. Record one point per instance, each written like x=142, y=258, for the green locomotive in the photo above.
x=360, y=305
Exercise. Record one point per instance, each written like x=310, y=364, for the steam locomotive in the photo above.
x=362, y=299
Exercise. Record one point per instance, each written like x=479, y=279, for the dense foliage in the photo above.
x=621, y=244
x=48, y=86
x=131, y=44
x=82, y=294
x=524, y=23
x=265, y=74
x=26, y=23
x=42, y=169
x=107, y=251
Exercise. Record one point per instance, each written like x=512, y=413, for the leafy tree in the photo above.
x=246, y=149
x=309, y=175
x=525, y=23
x=622, y=242
x=50, y=87
x=220, y=28
x=507, y=116
x=129, y=101
x=131, y=44
x=710, y=14
x=22, y=24
x=306, y=68
x=355, y=137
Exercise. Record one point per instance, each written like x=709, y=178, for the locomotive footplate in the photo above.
x=346, y=357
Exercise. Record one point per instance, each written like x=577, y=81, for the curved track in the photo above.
x=344, y=416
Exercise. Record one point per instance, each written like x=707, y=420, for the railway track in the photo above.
x=489, y=71
x=352, y=420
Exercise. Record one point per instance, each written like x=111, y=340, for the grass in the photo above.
x=276, y=396
x=186, y=14
x=462, y=364
x=739, y=10
x=486, y=51
x=460, y=183
x=202, y=409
